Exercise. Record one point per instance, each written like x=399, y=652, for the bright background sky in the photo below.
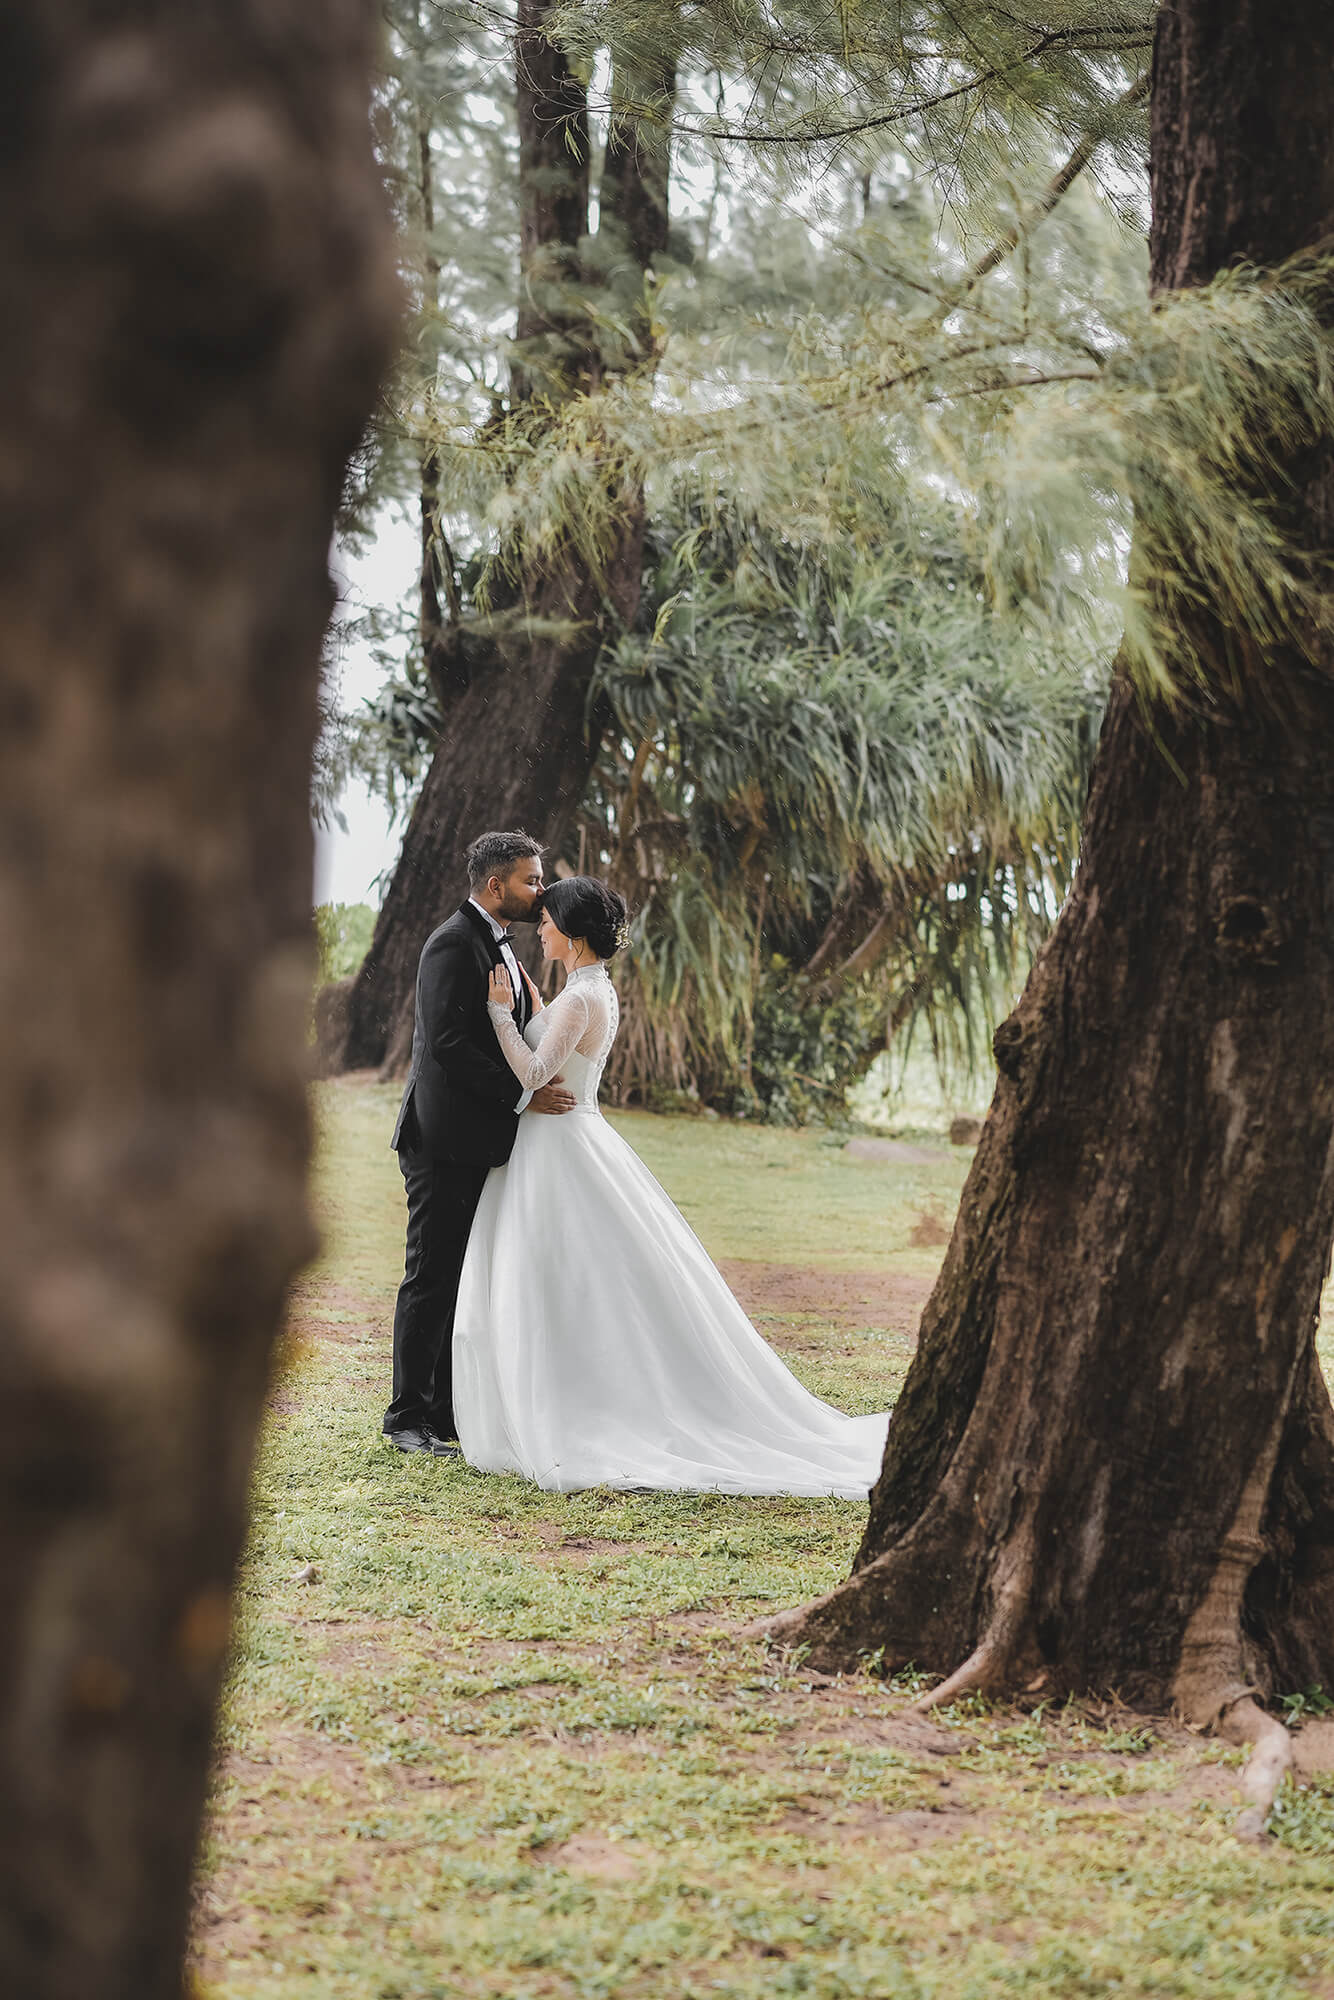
x=347, y=864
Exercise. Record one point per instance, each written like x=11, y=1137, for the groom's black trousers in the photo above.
x=442, y=1200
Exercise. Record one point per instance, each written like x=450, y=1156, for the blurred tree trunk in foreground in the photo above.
x=518, y=741
x=1113, y=1462
x=197, y=303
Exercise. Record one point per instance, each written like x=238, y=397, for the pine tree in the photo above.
x=518, y=739
x=1113, y=1460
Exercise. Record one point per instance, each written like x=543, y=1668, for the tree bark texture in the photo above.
x=1113, y=1462
x=516, y=752
x=551, y=335
x=520, y=734
x=633, y=212
x=196, y=300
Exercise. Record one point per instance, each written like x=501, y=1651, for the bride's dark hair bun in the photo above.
x=584, y=907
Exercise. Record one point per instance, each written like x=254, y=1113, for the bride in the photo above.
x=595, y=1344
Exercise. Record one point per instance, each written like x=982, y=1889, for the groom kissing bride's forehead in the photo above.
x=505, y=875
x=642, y=1371
x=458, y=1119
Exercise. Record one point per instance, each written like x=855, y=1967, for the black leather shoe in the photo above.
x=409, y=1440
x=440, y=1447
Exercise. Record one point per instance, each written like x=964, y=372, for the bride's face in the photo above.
x=553, y=941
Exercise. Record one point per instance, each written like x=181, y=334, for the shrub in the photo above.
x=342, y=937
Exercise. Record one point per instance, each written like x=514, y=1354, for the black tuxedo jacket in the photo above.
x=458, y=1103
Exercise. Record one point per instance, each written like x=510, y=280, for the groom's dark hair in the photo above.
x=496, y=853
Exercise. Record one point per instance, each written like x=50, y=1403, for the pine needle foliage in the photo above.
x=1178, y=417
x=819, y=83
x=1034, y=379
x=911, y=396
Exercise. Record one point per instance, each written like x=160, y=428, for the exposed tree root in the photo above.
x=993, y=1660
x=1210, y=1690
x=824, y=1624
x=775, y=1630
x=983, y=1668
x=1212, y=1687
x=1245, y=1721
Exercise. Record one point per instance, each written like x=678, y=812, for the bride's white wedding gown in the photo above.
x=595, y=1344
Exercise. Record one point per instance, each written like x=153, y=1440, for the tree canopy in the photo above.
x=856, y=417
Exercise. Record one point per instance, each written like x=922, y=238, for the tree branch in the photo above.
x=1095, y=41
x=1054, y=192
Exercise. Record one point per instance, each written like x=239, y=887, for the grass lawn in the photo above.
x=507, y=1744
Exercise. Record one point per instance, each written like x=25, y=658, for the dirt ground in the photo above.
x=844, y=1299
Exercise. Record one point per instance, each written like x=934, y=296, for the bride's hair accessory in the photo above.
x=585, y=908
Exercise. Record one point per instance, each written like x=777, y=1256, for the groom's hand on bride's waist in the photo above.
x=552, y=1097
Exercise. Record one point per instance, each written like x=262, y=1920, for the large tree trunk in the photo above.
x=551, y=337
x=519, y=735
x=1113, y=1461
x=516, y=753
x=197, y=300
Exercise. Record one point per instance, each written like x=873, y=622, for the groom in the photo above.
x=458, y=1119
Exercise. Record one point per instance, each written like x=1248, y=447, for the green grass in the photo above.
x=752, y=1191
x=511, y=1744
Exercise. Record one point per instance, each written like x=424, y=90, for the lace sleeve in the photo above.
x=566, y=1021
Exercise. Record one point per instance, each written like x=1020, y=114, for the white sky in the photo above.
x=347, y=864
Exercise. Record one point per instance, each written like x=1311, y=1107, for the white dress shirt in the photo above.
x=502, y=938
